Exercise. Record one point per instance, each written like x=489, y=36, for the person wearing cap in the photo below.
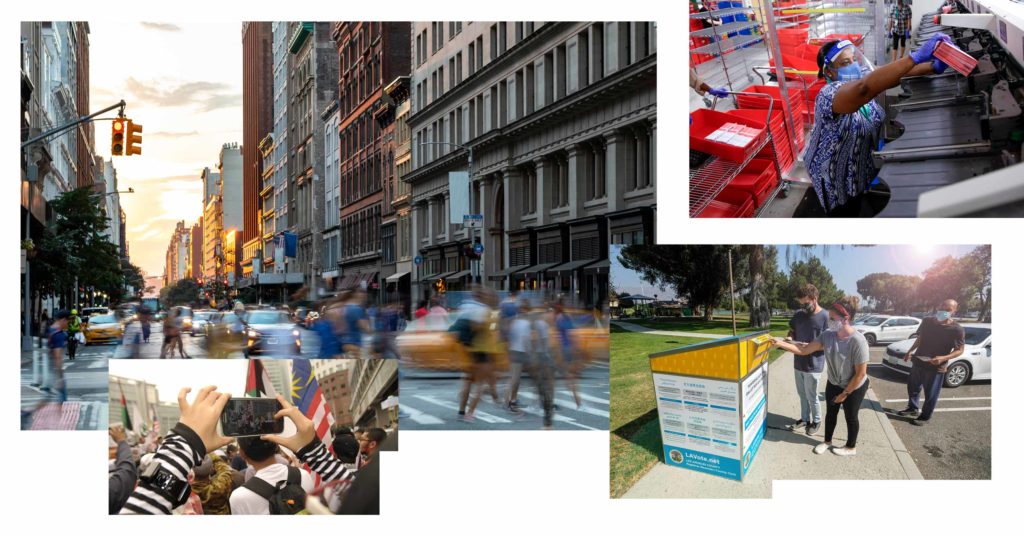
x=212, y=483
x=846, y=357
x=939, y=340
x=847, y=120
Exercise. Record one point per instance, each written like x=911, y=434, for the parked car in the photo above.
x=884, y=328
x=103, y=328
x=864, y=318
x=184, y=317
x=86, y=313
x=974, y=364
x=225, y=334
x=271, y=332
x=199, y=321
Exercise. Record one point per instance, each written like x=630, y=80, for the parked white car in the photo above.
x=974, y=364
x=882, y=328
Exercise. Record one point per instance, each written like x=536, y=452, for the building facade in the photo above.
x=332, y=197
x=86, y=140
x=398, y=285
x=312, y=78
x=333, y=376
x=371, y=55
x=230, y=190
x=561, y=121
x=212, y=224
x=195, y=251
x=257, y=122
x=176, y=261
x=372, y=381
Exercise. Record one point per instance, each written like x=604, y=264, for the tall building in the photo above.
x=195, y=251
x=176, y=264
x=398, y=285
x=106, y=185
x=86, y=146
x=211, y=222
x=332, y=197
x=372, y=381
x=229, y=166
x=280, y=375
x=333, y=376
x=561, y=121
x=276, y=198
x=312, y=85
x=257, y=121
x=371, y=55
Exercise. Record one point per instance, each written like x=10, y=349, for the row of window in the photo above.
x=358, y=84
x=597, y=51
x=360, y=232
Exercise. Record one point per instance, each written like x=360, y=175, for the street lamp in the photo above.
x=469, y=169
x=130, y=190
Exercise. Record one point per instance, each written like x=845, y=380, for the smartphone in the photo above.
x=251, y=417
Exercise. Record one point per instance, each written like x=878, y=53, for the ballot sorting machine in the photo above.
x=712, y=403
x=955, y=141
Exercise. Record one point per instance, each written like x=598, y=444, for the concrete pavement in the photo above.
x=786, y=455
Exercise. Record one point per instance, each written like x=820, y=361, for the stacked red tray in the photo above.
x=730, y=204
x=963, y=62
x=704, y=122
x=796, y=104
x=780, y=138
x=758, y=180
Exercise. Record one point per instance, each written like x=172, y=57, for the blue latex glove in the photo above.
x=720, y=92
x=939, y=67
x=907, y=35
x=927, y=50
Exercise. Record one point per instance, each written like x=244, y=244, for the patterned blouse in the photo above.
x=838, y=156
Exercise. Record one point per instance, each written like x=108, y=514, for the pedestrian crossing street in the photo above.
x=87, y=385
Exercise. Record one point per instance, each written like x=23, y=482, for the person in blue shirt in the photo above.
x=847, y=120
x=564, y=327
x=356, y=323
x=806, y=326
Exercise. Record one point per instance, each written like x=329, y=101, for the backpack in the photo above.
x=286, y=498
x=464, y=330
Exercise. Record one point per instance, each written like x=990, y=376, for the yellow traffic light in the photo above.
x=133, y=139
x=439, y=286
x=117, y=137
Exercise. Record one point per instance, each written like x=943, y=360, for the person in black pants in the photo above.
x=939, y=340
x=846, y=354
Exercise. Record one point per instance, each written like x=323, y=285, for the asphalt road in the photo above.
x=957, y=441
x=86, y=378
x=196, y=347
x=430, y=402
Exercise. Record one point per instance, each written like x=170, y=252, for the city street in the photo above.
x=957, y=442
x=430, y=402
x=196, y=347
x=86, y=408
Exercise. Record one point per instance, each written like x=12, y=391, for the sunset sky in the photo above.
x=183, y=83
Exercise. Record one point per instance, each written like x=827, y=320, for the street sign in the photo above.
x=478, y=248
x=473, y=221
x=417, y=260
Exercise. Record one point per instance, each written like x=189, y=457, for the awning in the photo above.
x=600, y=267
x=459, y=275
x=367, y=277
x=506, y=272
x=348, y=281
x=539, y=268
x=571, y=266
x=430, y=278
x=395, y=277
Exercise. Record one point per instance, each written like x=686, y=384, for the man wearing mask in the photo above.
x=939, y=339
x=806, y=326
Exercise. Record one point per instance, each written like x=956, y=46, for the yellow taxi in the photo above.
x=102, y=328
x=427, y=343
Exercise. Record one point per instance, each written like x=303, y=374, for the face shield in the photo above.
x=846, y=62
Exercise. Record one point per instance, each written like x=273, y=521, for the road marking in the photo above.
x=486, y=417
x=944, y=399
x=533, y=410
x=420, y=417
x=584, y=396
x=986, y=408
x=569, y=404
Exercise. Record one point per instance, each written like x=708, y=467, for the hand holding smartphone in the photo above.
x=243, y=417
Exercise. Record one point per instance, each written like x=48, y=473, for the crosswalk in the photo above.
x=434, y=411
x=952, y=399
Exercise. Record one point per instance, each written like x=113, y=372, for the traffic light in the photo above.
x=133, y=139
x=439, y=286
x=117, y=137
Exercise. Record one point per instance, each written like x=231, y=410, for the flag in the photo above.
x=307, y=396
x=156, y=425
x=257, y=382
x=126, y=421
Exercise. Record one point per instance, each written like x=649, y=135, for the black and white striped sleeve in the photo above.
x=320, y=460
x=181, y=450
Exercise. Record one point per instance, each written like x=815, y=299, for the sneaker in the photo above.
x=919, y=422
x=909, y=412
x=822, y=447
x=844, y=451
x=792, y=427
x=513, y=409
x=34, y=385
x=468, y=418
x=813, y=428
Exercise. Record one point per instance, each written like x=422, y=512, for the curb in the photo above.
x=904, y=457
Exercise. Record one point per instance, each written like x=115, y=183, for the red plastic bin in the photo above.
x=707, y=121
x=757, y=179
x=780, y=138
x=729, y=204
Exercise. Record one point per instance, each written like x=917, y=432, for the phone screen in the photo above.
x=251, y=417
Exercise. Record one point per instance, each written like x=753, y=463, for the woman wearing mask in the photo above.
x=847, y=120
x=846, y=357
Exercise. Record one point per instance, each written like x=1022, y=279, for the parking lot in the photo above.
x=957, y=442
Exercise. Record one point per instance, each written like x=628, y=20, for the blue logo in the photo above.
x=478, y=248
x=418, y=260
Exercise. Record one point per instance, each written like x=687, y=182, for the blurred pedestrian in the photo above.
x=356, y=324
x=571, y=364
x=474, y=326
x=421, y=310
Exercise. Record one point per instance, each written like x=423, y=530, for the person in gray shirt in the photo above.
x=846, y=358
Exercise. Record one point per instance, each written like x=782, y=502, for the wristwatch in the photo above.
x=165, y=483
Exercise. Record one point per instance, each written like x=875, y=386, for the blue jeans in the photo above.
x=927, y=377
x=807, y=388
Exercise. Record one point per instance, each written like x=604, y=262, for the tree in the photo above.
x=967, y=280
x=756, y=261
x=134, y=278
x=698, y=273
x=814, y=272
x=896, y=292
x=183, y=292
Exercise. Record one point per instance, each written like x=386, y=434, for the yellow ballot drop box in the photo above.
x=712, y=403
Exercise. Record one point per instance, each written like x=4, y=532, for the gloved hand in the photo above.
x=927, y=50
x=720, y=92
x=907, y=35
x=939, y=67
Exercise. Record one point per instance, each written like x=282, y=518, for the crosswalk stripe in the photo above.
x=420, y=417
x=986, y=408
x=944, y=399
x=483, y=416
x=584, y=396
x=533, y=410
x=566, y=403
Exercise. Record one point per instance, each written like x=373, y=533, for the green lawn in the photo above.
x=723, y=325
x=636, y=438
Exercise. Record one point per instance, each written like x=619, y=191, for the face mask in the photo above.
x=943, y=316
x=849, y=72
x=808, y=307
x=835, y=325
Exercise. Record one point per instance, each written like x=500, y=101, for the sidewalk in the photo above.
x=786, y=455
x=641, y=329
